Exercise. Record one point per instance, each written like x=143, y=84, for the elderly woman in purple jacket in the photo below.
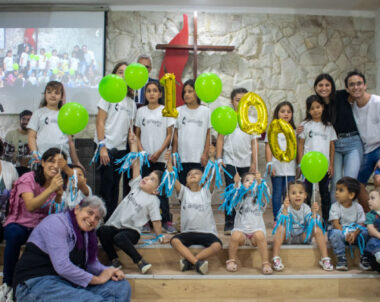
x=60, y=260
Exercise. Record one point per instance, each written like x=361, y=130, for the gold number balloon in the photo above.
x=280, y=126
x=168, y=82
x=252, y=99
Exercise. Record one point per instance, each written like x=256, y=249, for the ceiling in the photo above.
x=342, y=5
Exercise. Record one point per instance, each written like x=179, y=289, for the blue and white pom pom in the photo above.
x=54, y=207
x=126, y=162
x=263, y=191
x=361, y=241
x=284, y=220
x=167, y=182
x=311, y=224
x=177, y=161
x=96, y=156
x=212, y=168
x=73, y=189
x=148, y=242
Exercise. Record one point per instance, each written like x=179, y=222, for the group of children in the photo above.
x=186, y=143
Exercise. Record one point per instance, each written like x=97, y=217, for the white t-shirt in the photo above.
x=346, y=216
x=196, y=211
x=42, y=62
x=44, y=122
x=136, y=209
x=192, y=127
x=237, y=148
x=317, y=137
x=298, y=217
x=74, y=63
x=153, y=129
x=367, y=120
x=282, y=168
x=8, y=174
x=249, y=217
x=24, y=59
x=8, y=63
x=119, y=118
x=54, y=62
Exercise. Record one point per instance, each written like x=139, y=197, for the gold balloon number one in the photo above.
x=276, y=127
x=168, y=82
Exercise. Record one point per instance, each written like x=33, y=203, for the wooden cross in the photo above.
x=195, y=47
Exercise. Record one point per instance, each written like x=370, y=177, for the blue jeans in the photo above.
x=15, y=235
x=54, y=288
x=278, y=192
x=338, y=241
x=368, y=165
x=347, y=159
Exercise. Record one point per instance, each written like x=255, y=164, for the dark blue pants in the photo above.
x=15, y=235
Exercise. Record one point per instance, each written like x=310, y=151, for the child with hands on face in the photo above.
x=197, y=220
x=294, y=206
x=124, y=227
x=249, y=225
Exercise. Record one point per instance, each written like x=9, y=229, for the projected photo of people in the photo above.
x=31, y=57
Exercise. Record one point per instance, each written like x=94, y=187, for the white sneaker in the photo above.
x=4, y=292
x=377, y=255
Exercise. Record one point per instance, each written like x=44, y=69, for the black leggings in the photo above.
x=124, y=239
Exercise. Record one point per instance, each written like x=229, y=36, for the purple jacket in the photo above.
x=56, y=237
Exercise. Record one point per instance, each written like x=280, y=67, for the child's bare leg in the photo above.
x=183, y=250
x=321, y=241
x=260, y=241
x=237, y=238
x=209, y=251
x=278, y=240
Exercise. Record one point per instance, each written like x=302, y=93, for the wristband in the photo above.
x=219, y=160
x=102, y=142
x=101, y=145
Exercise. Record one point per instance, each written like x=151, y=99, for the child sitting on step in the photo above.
x=124, y=227
x=249, y=225
x=304, y=225
x=347, y=220
x=373, y=224
x=197, y=220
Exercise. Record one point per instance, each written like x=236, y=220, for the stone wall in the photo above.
x=276, y=56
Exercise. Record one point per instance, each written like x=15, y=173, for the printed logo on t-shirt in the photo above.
x=246, y=210
x=50, y=120
x=155, y=123
x=195, y=206
x=314, y=134
x=185, y=121
x=133, y=201
x=116, y=107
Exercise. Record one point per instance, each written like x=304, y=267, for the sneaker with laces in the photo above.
x=341, y=264
x=144, y=266
x=364, y=264
x=116, y=263
x=185, y=265
x=201, y=267
x=377, y=256
x=146, y=228
x=278, y=266
x=169, y=228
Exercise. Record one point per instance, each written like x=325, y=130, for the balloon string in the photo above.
x=60, y=153
x=233, y=155
x=133, y=110
x=257, y=164
x=286, y=187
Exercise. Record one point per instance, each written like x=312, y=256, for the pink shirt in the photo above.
x=17, y=209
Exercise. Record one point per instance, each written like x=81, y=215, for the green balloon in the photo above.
x=314, y=166
x=72, y=118
x=48, y=55
x=55, y=70
x=36, y=57
x=208, y=87
x=31, y=56
x=136, y=75
x=15, y=66
x=112, y=88
x=224, y=120
x=71, y=71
